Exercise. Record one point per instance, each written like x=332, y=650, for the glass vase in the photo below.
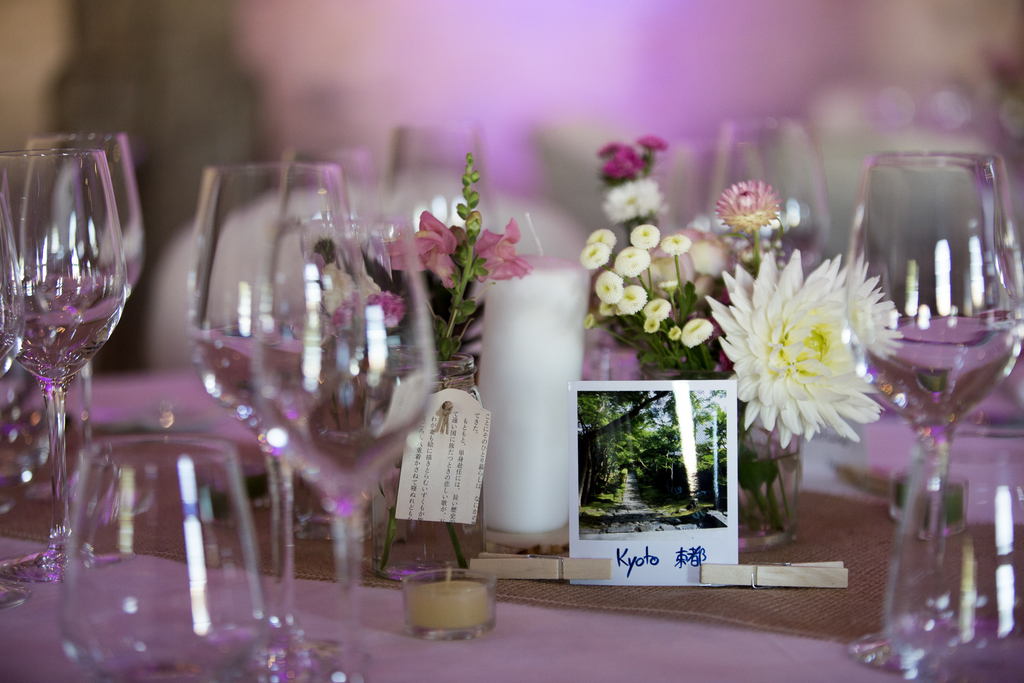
x=769, y=474
x=405, y=546
x=769, y=486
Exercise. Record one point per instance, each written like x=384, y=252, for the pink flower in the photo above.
x=609, y=150
x=392, y=305
x=653, y=143
x=623, y=165
x=435, y=244
x=748, y=206
x=502, y=263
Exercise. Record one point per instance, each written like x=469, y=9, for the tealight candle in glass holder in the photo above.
x=449, y=604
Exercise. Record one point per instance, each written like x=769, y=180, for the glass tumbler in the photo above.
x=162, y=580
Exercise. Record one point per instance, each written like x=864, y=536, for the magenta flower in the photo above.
x=435, y=244
x=624, y=164
x=502, y=263
x=392, y=305
x=609, y=150
x=748, y=206
x=653, y=143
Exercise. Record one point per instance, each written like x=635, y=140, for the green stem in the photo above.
x=757, y=251
x=459, y=557
x=389, y=535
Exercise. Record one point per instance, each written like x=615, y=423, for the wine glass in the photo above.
x=345, y=360
x=239, y=210
x=162, y=580
x=74, y=279
x=12, y=327
x=129, y=212
x=935, y=233
x=781, y=152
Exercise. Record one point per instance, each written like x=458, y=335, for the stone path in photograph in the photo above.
x=633, y=515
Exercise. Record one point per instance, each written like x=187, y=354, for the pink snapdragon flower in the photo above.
x=502, y=263
x=748, y=206
x=435, y=244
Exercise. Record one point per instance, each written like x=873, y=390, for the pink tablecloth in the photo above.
x=528, y=644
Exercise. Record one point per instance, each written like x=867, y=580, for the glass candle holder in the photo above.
x=449, y=604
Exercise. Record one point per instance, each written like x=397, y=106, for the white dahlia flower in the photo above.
x=784, y=336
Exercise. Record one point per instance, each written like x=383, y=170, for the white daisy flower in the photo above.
x=609, y=287
x=645, y=236
x=674, y=333
x=606, y=310
x=696, y=332
x=657, y=309
x=651, y=325
x=603, y=236
x=784, y=335
x=632, y=261
x=676, y=245
x=636, y=199
x=669, y=286
x=595, y=255
x=633, y=299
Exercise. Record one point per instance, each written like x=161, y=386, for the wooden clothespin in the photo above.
x=552, y=567
x=796, y=575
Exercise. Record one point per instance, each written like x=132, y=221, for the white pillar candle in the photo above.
x=532, y=348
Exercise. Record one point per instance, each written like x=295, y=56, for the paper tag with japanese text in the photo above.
x=442, y=477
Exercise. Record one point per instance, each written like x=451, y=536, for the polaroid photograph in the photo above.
x=653, y=478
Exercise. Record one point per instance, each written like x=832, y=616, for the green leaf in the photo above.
x=479, y=271
x=467, y=308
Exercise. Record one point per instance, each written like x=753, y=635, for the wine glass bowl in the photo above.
x=241, y=209
x=117, y=148
x=935, y=234
x=344, y=362
x=783, y=153
x=16, y=457
x=73, y=279
x=162, y=580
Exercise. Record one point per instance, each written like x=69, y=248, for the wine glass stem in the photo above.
x=85, y=385
x=917, y=612
x=347, y=535
x=281, y=476
x=54, y=397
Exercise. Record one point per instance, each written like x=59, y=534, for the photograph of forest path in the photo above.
x=651, y=461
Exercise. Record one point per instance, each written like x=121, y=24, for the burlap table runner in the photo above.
x=831, y=528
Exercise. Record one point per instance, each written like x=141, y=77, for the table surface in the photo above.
x=528, y=643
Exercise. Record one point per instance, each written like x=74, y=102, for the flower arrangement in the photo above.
x=459, y=255
x=673, y=299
